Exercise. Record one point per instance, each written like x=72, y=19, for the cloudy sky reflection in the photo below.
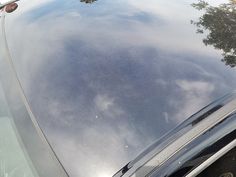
x=107, y=79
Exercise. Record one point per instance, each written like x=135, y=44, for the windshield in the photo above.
x=13, y=159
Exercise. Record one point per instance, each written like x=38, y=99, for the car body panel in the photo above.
x=108, y=78
x=192, y=142
x=25, y=150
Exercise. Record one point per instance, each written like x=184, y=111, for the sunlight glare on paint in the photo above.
x=104, y=175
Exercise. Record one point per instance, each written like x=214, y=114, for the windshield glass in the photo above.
x=14, y=160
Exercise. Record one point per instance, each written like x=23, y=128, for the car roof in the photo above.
x=108, y=78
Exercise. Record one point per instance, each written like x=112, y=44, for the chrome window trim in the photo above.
x=212, y=159
x=178, y=144
x=202, y=148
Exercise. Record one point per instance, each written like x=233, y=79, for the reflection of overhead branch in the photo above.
x=220, y=25
x=88, y=1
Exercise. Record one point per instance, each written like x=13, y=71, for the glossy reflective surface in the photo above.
x=13, y=160
x=179, y=151
x=199, y=150
x=106, y=79
x=23, y=148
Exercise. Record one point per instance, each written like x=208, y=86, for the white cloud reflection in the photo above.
x=196, y=94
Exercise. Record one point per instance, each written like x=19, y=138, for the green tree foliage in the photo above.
x=88, y=1
x=220, y=25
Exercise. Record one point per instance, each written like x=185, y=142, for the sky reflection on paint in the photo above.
x=107, y=79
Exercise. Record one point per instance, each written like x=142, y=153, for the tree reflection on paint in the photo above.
x=220, y=25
